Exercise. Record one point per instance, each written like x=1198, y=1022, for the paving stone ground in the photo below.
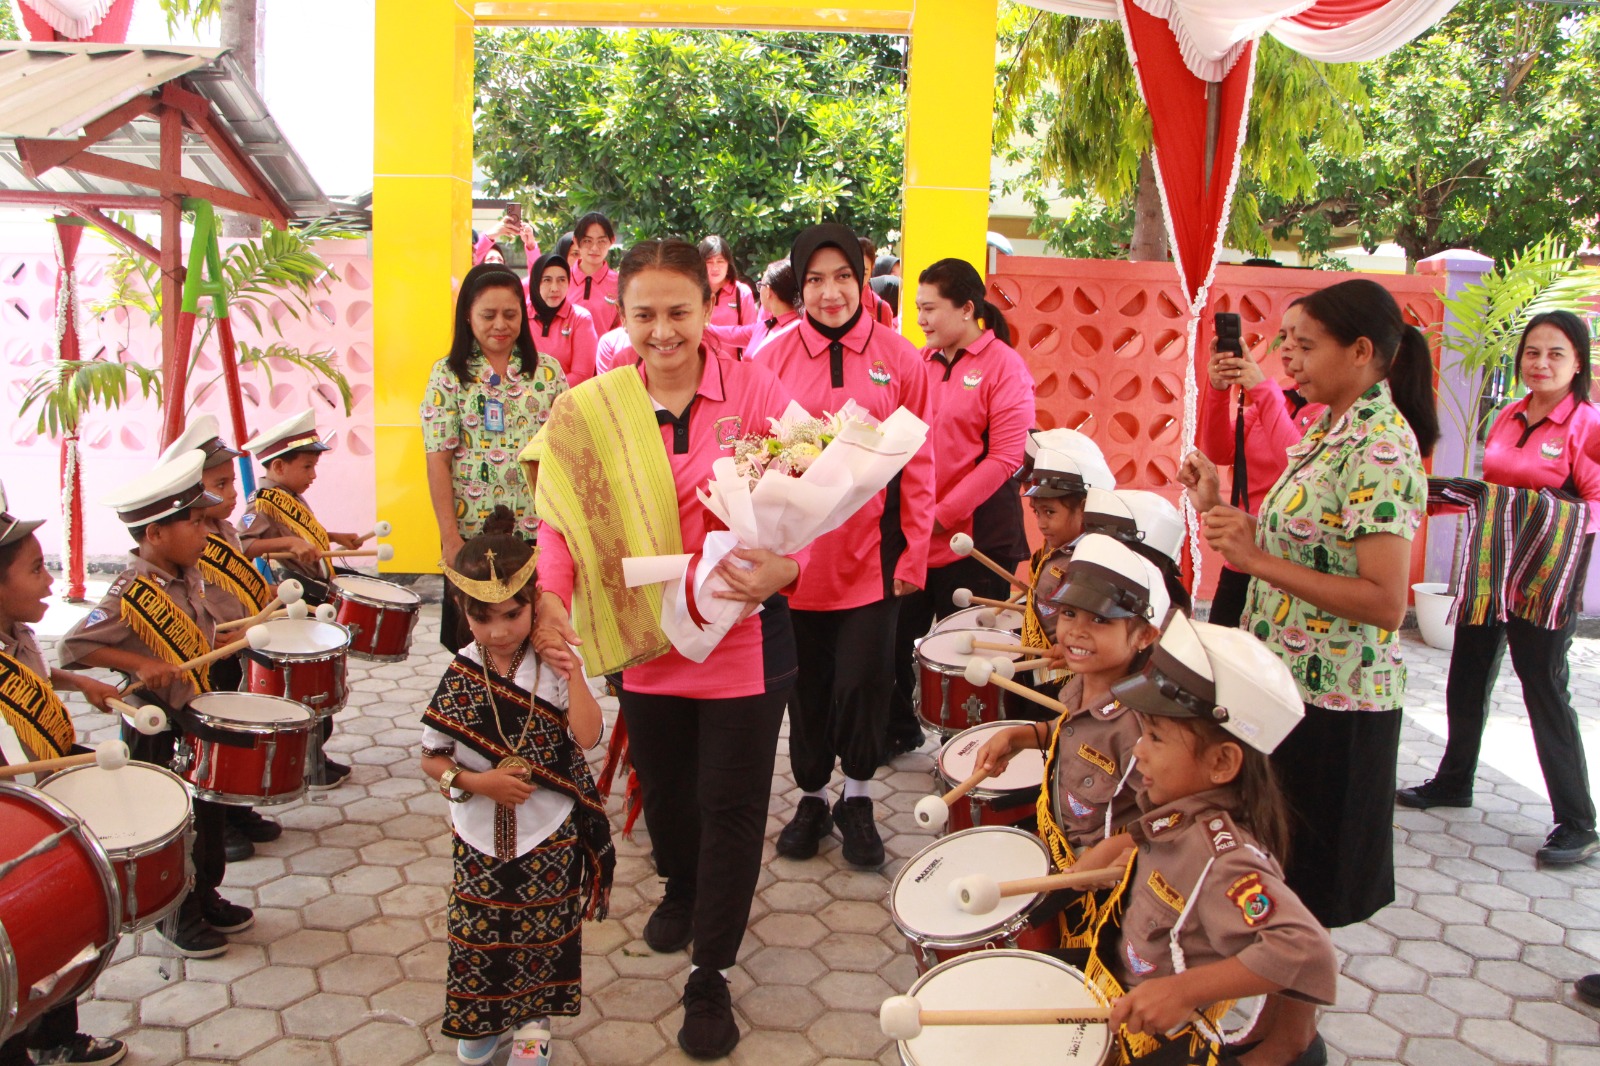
x=1472, y=965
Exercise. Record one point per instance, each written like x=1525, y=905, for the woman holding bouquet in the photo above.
x=846, y=606
x=619, y=463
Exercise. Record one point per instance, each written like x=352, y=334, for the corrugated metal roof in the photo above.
x=51, y=91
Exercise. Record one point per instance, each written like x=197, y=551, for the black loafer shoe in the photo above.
x=709, y=1031
x=1566, y=845
x=862, y=844
x=252, y=826
x=671, y=924
x=1588, y=989
x=1432, y=794
x=235, y=846
x=227, y=917
x=811, y=822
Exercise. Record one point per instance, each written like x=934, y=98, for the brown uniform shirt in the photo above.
x=1051, y=568
x=223, y=605
x=1240, y=907
x=103, y=627
x=1094, y=749
x=256, y=526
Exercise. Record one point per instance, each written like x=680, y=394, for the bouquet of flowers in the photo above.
x=779, y=491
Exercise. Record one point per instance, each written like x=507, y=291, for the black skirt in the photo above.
x=1337, y=770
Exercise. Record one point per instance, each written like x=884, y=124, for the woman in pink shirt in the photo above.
x=560, y=330
x=778, y=296
x=846, y=606
x=1274, y=418
x=1549, y=439
x=594, y=283
x=981, y=395
x=703, y=736
x=733, y=312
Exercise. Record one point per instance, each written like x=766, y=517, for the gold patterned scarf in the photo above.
x=33, y=711
x=160, y=623
x=225, y=566
x=286, y=507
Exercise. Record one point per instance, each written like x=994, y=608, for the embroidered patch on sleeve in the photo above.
x=1222, y=838
x=96, y=616
x=1252, y=899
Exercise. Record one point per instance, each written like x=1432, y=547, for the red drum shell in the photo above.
x=380, y=616
x=308, y=660
x=946, y=700
x=271, y=771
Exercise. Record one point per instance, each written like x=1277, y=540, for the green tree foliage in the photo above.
x=1479, y=134
x=9, y=30
x=687, y=133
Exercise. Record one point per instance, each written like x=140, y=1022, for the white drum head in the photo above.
x=944, y=648
x=369, y=588
x=994, y=980
x=305, y=636
x=980, y=618
x=124, y=808
x=920, y=900
x=249, y=708
x=960, y=754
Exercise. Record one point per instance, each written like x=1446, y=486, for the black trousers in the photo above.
x=53, y=1028
x=918, y=611
x=840, y=711
x=705, y=770
x=1539, y=657
x=1227, y=606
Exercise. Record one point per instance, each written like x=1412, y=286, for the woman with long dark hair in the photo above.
x=1549, y=439
x=734, y=311
x=484, y=402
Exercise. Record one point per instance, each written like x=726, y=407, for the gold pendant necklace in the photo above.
x=513, y=760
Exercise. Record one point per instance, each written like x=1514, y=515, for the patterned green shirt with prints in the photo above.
x=484, y=470
x=1360, y=475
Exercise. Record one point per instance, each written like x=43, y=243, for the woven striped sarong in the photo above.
x=1524, y=548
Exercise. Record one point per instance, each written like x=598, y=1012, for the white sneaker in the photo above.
x=478, y=1051
x=530, y=1044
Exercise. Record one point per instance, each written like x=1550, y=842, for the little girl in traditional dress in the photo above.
x=504, y=736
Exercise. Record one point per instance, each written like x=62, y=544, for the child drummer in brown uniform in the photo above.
x=279, y=520
x=37, y=726
x=235, y=589
x=154, y=617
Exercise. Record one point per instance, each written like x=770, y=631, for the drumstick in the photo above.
x=257, y=637
x=108, y=755
x=933, y=812
x=982, y=672
x=966, y=644
x=965, y=598
x=148, y=719
x=980, y=893
x=961, y=544
x=384, y=553
x=902, y=1017
x=289, y=591
x=382, y=529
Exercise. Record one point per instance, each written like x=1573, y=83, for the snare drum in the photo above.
x=304, y=661
x=141, y=816
x=1001, y=980
x=946, y=700
x=60, y=911
x=923, y=909
x=379, y=614
x=1008, y=798
x=245, y=749
x=980, y=618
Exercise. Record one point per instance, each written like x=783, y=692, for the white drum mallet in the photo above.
x=326, y=612
x=382, y=529
x=148, y=720
x=290, y=592
x=902, y=1017
x=962, y=544
x=980, y=893
x=965, y=598
x=933, y=812
x=981, y=672
x=108, y=755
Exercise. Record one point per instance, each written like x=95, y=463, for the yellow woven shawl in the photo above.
x=605, y=484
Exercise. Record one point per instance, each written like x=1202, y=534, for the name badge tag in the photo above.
x=494, y=416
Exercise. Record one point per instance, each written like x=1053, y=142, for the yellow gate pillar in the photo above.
x=421, y=243
x=949, y=129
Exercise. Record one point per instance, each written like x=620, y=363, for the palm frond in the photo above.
x=65, y=391
x=323, y=364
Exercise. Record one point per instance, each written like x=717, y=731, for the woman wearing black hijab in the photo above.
x=561, y=329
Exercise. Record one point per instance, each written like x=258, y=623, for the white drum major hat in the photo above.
x=1072, y=444
x=1227, y=676
x=1138, y=518
x=203, y=434
x=1107, y=578
x=298, y=433
x=1057, y=474
x=173, y=486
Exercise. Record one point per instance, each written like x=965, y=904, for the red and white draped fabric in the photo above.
x=69, y=232
x=1195, y=63
x=99, y=21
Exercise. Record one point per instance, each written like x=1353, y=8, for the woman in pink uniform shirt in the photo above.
x=560, y=330
x=1549, y=439
x=594, y=283
x=703, y=736
x=981, y=395
x=847, y=604
x=734, y=312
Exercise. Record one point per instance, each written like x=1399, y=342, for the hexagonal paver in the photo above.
x=324, y=1016
x=636, y=999
x=308, y=947
x=232, y=1035
x=360, y=975
x=275, y=987
x=183, y=1004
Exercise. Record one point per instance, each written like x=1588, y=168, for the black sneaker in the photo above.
x=862, y=844
x=81, y=1050
x=236, y=847
x=1566, y=845
x=1432, y=794
x=1588, y=989
x=811, y=822
x=194, y=938
x=671, y=925
x=227, y=917
x=332, y=775
x=709, y=1031
x=902, y=744
x=252, y=826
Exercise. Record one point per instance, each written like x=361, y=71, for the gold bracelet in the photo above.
x=447, y=784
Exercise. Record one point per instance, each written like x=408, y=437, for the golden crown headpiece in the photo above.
x=495, y=589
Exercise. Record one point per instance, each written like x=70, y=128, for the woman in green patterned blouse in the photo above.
x=1330, y=558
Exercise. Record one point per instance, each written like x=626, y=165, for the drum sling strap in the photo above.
x=225, y=566
x=283, y=506
x=33, y=710
x=1033, y=634
x=160, y=623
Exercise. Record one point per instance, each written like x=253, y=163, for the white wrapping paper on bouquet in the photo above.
x=780, y=512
